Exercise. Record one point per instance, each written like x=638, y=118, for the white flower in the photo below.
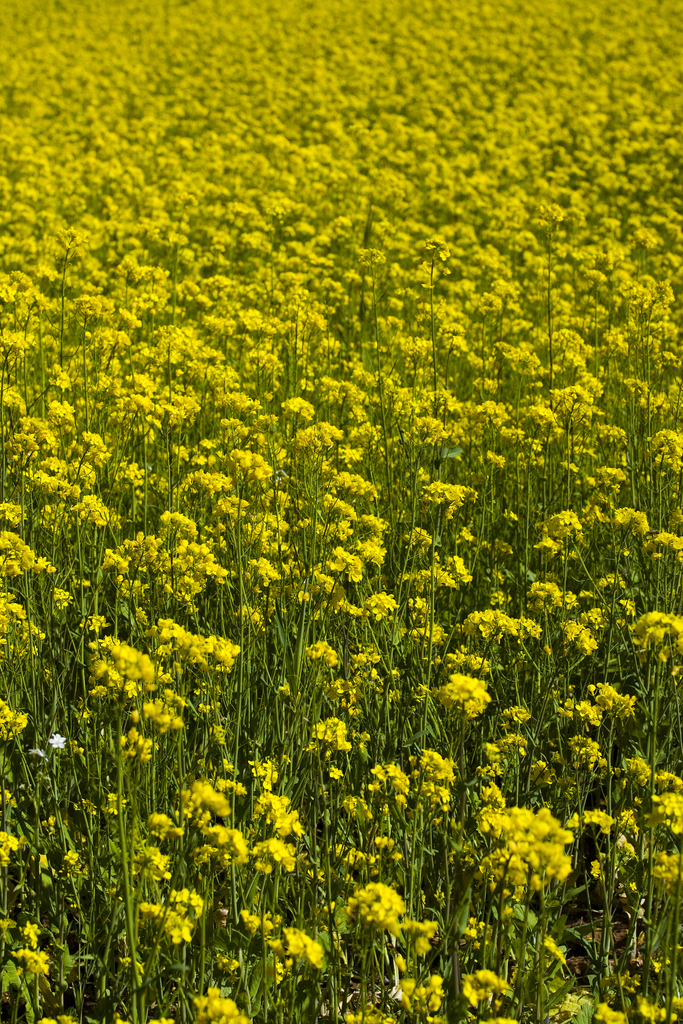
x=57, y=742
x=40, y=753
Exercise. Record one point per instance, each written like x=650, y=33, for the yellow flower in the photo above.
x=668, y=809
x=202, y=799
x=380, y=606
x=377, y=906
x=298, y=407
x=650, y=1011
x=321, y=650
x=277, y=812
x=544, y=595
x=11, y=722
x=529, y=846
x=599, y=818
x=9, y=844
x=329, y=737
x=345, y=562
x=471, y=695
x=253, y=923
x=581, y=637
x=162, y=826
x=152, y=863
x=298, y=944
x=33, y=961
x=605, y=1015
x=551, y=947
x=273, y=853
x=562, y=525
x=215, y=1009
x=481, y=985
x=421, y=933
x=422, y=999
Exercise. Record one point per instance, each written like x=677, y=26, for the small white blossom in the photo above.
x=57, y=742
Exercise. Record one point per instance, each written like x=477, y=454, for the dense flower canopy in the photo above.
x=341, y=508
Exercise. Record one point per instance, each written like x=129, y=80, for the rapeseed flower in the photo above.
x=340, y=506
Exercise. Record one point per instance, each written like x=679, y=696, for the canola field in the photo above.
x=341, y=488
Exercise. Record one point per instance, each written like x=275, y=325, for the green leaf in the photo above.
x=519, y=912
x=10, y=975
x=255, y=986
x=463, y=914
x=558, y=997
x=416, y=736
x=585, y=1014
